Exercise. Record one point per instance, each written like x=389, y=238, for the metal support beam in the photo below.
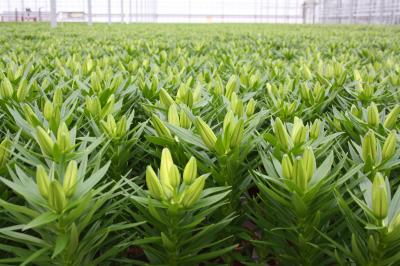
x=90, y=21
x=109, y=12
x=53, y=13
x=122, y=11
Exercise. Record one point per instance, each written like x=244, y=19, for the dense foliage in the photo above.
x=200, y=144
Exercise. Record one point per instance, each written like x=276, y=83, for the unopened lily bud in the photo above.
x=48, y=110
x=357, y=76
x=369, y=147
x=250, y=107
x=184, y=119
x=70, y=178
x=174, y=176
x=93, y=106
x=237, y=134
x=159, y=126
x=389, y=147
x=206, y=133
x=22, y=90
x=300, y=173
x=165, y=99
x=108, y=107
x=309, y=162
x=190, y=171
x=4, y=151
x=95, y=82
x=281, y=133
x=373, y=115
x=193, y=192
x=121, y=127
x=45, y=142
x=287, y=167
x=228, y=120
x=391, y=118
x=231, y=86
x=56, y=198
x=42, y=181
x=30, y=116
x=306, y=72
x=173, y=117
x=6, y=89
x=315, y=129
x=153, y=184
x=355, y=111
x=380, y=204
x=165, y=167
x=298, y=132
x=58, y=97
x=63, y=138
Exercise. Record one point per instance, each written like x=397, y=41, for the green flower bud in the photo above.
x=190, y=171
x=108, y=107
x=30, y=116
x=391, y=118
x=206, y=133
x=173, y=117
x=58, y=97
x=165, y=99
x=184, y=119
x=159, y=126
x=306, y=72
x=300, y=173
x=122, y=127
x=6, y=89
x=42, y=181
x=281, y=133
x=22, y=90
x=369, y=152
x=63, y=138
x=44, y=140
x=153, y=184
x=231, y=86
x=193, y=192
x=48, y=110
x=4, y=151
x=56, y=199
x=70, y=179
x=287, y=167
x=380, y=203
x=174, y=176
x=165, y=168
x=95, y=82
x=355, y=111
x=237, y=134
x=389, y=147
x=315, y=129
x=309, y=162
x=93, y=106
x=298, y=132
x=373, y=115
x=250, y=107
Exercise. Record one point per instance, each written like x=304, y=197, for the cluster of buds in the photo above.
x=373, y=118
x=94, y=108
x=62, y=145
x=369, y=148
x=180, y=119
x=312, y=96
x=114, y=130
x=186, y=96
x=6, y=89
x=148, y=86
x=298, y=134
x=168, y=188
x=301, y=169
x=4, y=152
x=57, y=195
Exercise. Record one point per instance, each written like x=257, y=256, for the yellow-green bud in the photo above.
x=93, y=106
x=95, y=82
x=165, y=99
x=306, y=72
x=309, y=162
x=231, y=86
x=70, y=179
x=281, y=133
x=369, y=147
x=357, y=76
x=6, y=89
x=298, y=132
x=22, y=90
x=389, y=147
x=190, y=171
x=121, y=127
x=287, y=167
x=48, y=110
x=250, y=107
x=355, y=111
x=206, y=133
x=58, y=97
x=4, y=151
x=165, y=168
x=174, y=176
x=373, y=115
x=63, y=138
x=153, y=184
x=173, y=117
x=45, y=142
x=300, y=173
x=30, y=116
x=237, y=134
x=159, y=126
x=380, y=204
x=56, y=198
x=108, y=107
x=391, y=118
x=184, y=119
x=42, y=181
x=193, y=192
x=315, y=129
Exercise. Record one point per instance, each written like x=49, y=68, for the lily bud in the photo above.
x=173, y=117
x=159, y=126
x=4, y=151
x=6, y=89
x=153, y=184
x=250, y=107
x=373, y=115
x=165, y=168
x=281, y=133
x=369, y=152
x=184, y=119
x=70, y=179
x=193, y=192
x=30, y=116
x=190, y=171
x=300, y=173
x=237, y=134
x=58, y=97
x=309, y=162
x=287, y=167
x=355, y=111
x=389, y=147
x=231, y=86
x=42, y=181
x=206, y=133
x=391, y=118
x=174, y=176
x=380, y=202
x=298, y=132
x=63, y=138
x=121, y=127
x=48, y=110
x=22, y=90
x=165, y=99
x=56, y=198
x=45, y=142
x=315, y=129
x=93, y=106
x=108, y=107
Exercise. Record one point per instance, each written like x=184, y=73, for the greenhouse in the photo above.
x=200, y=132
